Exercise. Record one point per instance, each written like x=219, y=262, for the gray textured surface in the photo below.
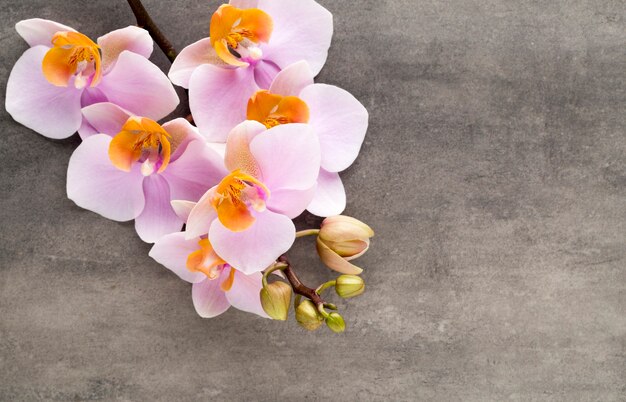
x=494, y=173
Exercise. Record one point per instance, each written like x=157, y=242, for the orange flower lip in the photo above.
x=72, y=54
x=272, y=110
x=235, y=198
x=235, y=33
x=141, y=140
x=205, y=260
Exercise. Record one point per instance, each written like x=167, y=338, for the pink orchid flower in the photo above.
x=64, y=71
x=216, y=285
x=247, y=216
x=250, y=42
x=134, y=167
x=338, y=119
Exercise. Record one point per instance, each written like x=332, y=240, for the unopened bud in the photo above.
x=308, y=316
x=343, y=228
x=348, y=286
x=276, y=299
x=341, y=239
x=335, y=322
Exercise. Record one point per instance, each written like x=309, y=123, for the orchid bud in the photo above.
x=341, y=239
x=348, y=286
x=335, y=322
x=307, y=315
x=276, y=299
x=342, y=228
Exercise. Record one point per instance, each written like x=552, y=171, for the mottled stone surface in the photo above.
x=494, y=173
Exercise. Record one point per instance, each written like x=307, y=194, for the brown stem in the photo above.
x=144, y=21
x=297, y=285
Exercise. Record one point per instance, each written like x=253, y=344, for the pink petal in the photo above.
x=190, y=58
x=201, y=216
x=86, y=130
x=288, y=156
x=257, y=247
x=244, y=3
x=31, y=100
x=339, y=120
x=37, y=31
x=237, y=155
x=137, y=85
x=182, y=208
x=134, y=39
x=264, y=73
x=95, y=184
x=105, y=118
x=92, y=95
x=158, y=217
x=182, y=133
x=245, y=293
x=303, y=30
x=292, y=79
x=218, y=99
x=290, y=202
x=330, y=196
x=209, y=299
x=195, y=172
x=172, y=251
x=218, y=147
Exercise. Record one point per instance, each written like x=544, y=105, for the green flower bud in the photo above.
x=348, y=286
x=307, y=315
x=335, y=322
x=276, y=299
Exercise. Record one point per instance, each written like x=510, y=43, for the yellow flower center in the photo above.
x=272, y=110
x=141, y=140
x=205, y=260
x=237, y=195
x=235, y=34
x=72, y=54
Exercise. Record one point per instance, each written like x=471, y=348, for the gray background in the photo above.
x=494, y=174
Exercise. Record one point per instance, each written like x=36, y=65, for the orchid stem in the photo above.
x=277, y=266
x=308, y=232
x=325, y=286
x=144, y=21
x=298, y=287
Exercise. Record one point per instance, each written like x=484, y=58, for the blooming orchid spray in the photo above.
x=216, y=192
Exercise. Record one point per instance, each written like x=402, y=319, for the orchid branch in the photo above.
x=145, y=21
x=297, y=285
